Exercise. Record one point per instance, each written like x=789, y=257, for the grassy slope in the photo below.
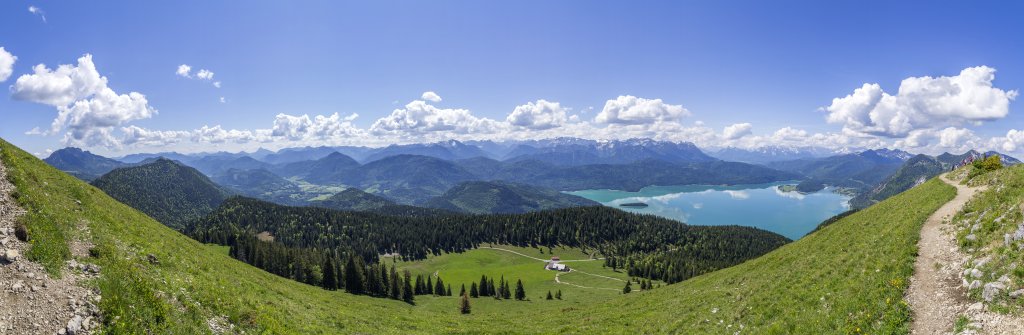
x=845, y=278
x=989, y=217
x=466, y=268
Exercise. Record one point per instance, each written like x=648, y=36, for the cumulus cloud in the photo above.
x=37, y=11
x=541, y=114
x=302, y=127
x=216, y=84
x=6, y=64
x=184, y=70
x=86, y=107
x=627, y=109
x=419, y=117
x=62, y=86
x=737, y=130
x=430, y=96
x=923, y=102
x=204, y=74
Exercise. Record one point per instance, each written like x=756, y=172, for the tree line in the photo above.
x=305, y=238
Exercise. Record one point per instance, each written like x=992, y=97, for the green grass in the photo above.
x=467, y=267
x=846, y=278
x=982, y=225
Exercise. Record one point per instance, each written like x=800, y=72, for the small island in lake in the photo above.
x=634, y=204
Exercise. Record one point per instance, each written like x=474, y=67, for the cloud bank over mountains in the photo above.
x=925, y=114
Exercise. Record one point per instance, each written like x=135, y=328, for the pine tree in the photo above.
x=464, y=304
x=373, y=285
x=384, y=280
x=628, y=287
x=354, y=276
x=558, y=295
x=483, y=286
x=407, y=292
x=473, y=292
x=521, y=292
x=395, y=288
x=418, y=290
x=506, y=293
x=491, y=291
x=430, y=286
x=549, y=296
x=462, y=292
x=439, y=287
x=330, y=279
x=448, y=290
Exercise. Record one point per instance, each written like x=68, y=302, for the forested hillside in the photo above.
x=690, y=250
x=353, y=199
x=482, y=197
x=169, y=192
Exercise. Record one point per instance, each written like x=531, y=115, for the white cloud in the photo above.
x=86, y=108
x=216, y=84
x=419, y=117
x=1013, y=141
x=627, y=109
x=204, y=74
x=923, y=102
x=541, y=114
x=952, y=137
x=37, y=11
x=6, y=64
x=223, y=101
x=302, y=127
x=62, y=86
x=430, y=96
x=184, y=70
x=737, y=130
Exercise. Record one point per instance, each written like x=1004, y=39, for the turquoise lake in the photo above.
x=764, y=206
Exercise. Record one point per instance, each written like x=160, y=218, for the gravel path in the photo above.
x=936, y=295
x=32, y=302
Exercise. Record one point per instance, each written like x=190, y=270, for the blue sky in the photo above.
x=772, y=65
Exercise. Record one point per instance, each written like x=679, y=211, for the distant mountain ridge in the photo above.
x=487, y=197
x=770, y=153
x=82, y=164
x=916, y=171
x=860, y=171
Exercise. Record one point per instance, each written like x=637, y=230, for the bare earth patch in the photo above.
x=936, y=295
x=32, y=302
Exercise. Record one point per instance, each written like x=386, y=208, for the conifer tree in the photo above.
x=491, y=290
x=506, y=293
x=373, y=285
x=558, y=295
x=549, y=296
x=354, y=276
x=464, y=304
x=448, y=290
x=439, y=287
x=407, y=292
x=395, y=288
x=462, y=292
x=473, y=292
x=521, y=292
x=330, y=278
x=429, y=286
x=419, y=285
x=483, y=286
x=628, y=287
